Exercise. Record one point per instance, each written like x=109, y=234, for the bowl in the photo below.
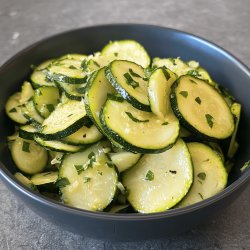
x=158, y=41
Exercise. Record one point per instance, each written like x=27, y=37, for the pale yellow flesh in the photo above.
x=212, y=103
x=205, y=160
x=97, y=98
x=63, y=116
x=166, y=189
x=140, y=134
x=140, y=93
x=158, y=92
x=30, y=110
x=95, y=194
x=29, y=162
x=44, y=178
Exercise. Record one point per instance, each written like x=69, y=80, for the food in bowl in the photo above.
x=114, y=132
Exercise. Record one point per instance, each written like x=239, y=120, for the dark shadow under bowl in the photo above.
x=158, y=41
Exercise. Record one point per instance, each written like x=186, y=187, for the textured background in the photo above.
x=22, y=22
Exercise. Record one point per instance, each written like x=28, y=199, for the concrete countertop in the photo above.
x=22, y=22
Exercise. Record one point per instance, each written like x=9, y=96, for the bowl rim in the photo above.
x=10, y=179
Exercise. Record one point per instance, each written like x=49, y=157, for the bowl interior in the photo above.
x=160, y=42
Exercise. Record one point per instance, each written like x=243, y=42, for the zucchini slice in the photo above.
x=31, y=114
x=158, y=182
x=201, y=109
x=27, y=131
x=89, y=179
x=159, y=88
x=210, y=176
x=25, y=181
x=97, y=90
x=44, y=178
x=128, y=79
x=84, y=136
x=45, y=100
x=233, y=146
x=134, y=129
x=28, y=156
x=13, y=109
x=127, y=50
x=124, y=160
x=39, y=78
x=57, y=146
x=65, y=120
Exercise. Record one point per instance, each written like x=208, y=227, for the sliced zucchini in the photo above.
x=67, y=71
x=27, y=132
x=25, y=181
x=45, y=100
x=124, y=160
x=76, y=57
x=13, y=109
x=201, y=109
x=28, y=156
x=97, y=90
x=134, y=129
x=158, y=182
x=210, y=176
x=89, y=179
x=30, y=112
x=128, y=79
x=44, y=178
x=159, y=88
x=127, y=50
x=38, y=77
x=26, y=93
x=233, y=146
x=65, y=120
x=58, y=146
x=85, y=135
x=95, y=62
x=73, y=91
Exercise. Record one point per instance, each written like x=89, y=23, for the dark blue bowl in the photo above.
x=158, y=41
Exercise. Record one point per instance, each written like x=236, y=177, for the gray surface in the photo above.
x=23, y=22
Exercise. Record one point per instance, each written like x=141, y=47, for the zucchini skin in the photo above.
x=84, y=121
x=110, y=77
x=127, y=146
x=188, y=126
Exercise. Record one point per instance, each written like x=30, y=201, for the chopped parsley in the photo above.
x=202, y=176
x=201, y=196
x=165, y=72
x=132, y=73
x=134, y=118
x=115, y=54
x=193, y=73
x=149, y=176
x=72, y=67
x=99, y=172
x=198, y=100
x=50, y=107
x=110, y=164
x=130, y=81
x=96, y=64
x=13, y=110
x=92, y=159
x=26, y=147
x=173, y=171
x=84, y=65
x=86, y=179
x=165, y=123
x=79, y=168
x=210, y=121
x=184, y=93
x=62, y=182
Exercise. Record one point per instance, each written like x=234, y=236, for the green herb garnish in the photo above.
x=130, y=81
x=202, y=176
x=173, y=171
x=79, y=168
x=184, y=93
x=13, y=110
x=132, y=73
x=149, y=176
x=96, y=64
x=165, y=72
x=115, y=54
x=86, y=179
x=72, y=67
x=135, y=119
x=201, y=196
x=99, y=172
x=210, y=121
x=84, y=64
x=91, y=155
x=165, y=123
x=26, y=147
x=193, y=73
x=198, y=100
x=173, y=61
x=62, y=182
x=192, y=81
x=50, y=107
